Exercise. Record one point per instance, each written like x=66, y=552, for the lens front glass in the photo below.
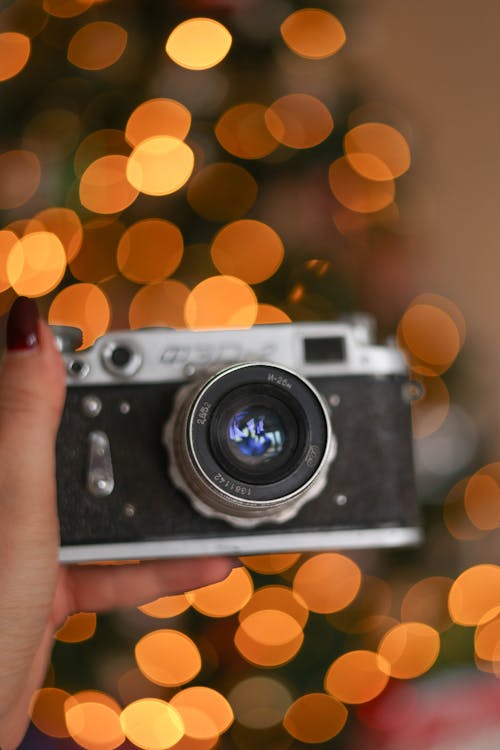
x=255, y=435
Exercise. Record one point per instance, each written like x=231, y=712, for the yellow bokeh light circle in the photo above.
x=475, y=594
x=78, y=627
x=105, y=142
x=150, y=250
x=430, y=334
x=36, y=264
x=158, y=117
x=7, y=241
x=96, y=259
x=21, y=173
x=224, y=598
x=409, y=649
x=313, y=33
x=165, y=606
x=327, y=582
x=369, y=166
x=280, y=598
x=482, y=497
x=205, y=712
x=159, y=305
x=271, y=564
x=47, y=711
x=152, y=724
x=266, y=655
x=104, y=187
x=93, y=720
x=83, y=306
x=487, y=640
x=62, y=222
x=168, y=657
x=221, y=302
x=382, y=141
x=357, y=677
x=222, y=191
x=315, y=717
x=15, y=50
x=243, y=132
x=357, y=193
x=271, y=627
x=198, y=43
x=299, y=120
x=270, y=314
x=160, y=165
x=248, y=249
x=97, y=45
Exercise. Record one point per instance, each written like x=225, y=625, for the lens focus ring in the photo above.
x=251, y=444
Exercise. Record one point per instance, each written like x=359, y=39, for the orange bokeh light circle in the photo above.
x=15, y=50
x=36, y=264
x=160, y=165
x=313, y=33
x=198, y=43
x=150, y=250
x=221, y=302
x=248, y=249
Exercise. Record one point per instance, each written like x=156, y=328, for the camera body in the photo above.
x=272, y=439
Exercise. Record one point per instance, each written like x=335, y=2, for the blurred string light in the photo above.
x=152, y=724
x=224, y=598
x=97, y=45
x=313, y=33
x=78, y=627
x=93, y=720
x=198, y=43
x=168, y=657
x=315, y=717
x=158, y=117
x=15, y=51
x=482, y=498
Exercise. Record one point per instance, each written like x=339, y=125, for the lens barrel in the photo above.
x=251, y=444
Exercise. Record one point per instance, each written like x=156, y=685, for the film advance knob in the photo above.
x=68, y=338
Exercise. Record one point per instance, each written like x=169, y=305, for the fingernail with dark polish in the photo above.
x=22, y=325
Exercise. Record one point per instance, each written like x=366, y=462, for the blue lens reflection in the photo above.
x=253, y=437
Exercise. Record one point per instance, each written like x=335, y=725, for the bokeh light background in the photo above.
x=222, y=163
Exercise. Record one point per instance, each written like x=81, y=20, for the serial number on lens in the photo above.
x=279, y=380
x=203, y=412
x=228, y=484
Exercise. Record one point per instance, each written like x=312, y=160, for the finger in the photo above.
x=32, y=390
x=99, y=588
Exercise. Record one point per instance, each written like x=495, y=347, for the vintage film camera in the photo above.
x=277, y=438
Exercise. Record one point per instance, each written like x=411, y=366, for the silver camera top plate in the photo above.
x=152, y=355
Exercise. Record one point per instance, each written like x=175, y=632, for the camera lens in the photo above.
x=250, y=445
x=254, y=435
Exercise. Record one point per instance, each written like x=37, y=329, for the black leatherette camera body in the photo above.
x=368, y=499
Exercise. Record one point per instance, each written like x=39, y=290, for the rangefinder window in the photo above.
x=325, y=349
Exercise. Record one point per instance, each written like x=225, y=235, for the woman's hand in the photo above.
x=36, y=593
